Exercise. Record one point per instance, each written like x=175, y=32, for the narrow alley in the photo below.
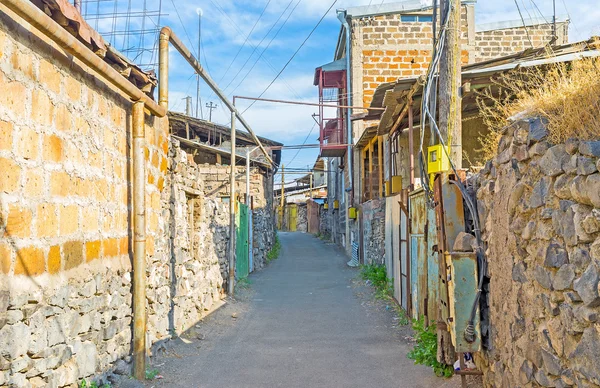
x=305, y=321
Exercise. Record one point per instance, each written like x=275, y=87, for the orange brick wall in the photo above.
x=389, y=48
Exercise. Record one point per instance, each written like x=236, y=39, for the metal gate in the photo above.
x=241, y=241
x=292, y=217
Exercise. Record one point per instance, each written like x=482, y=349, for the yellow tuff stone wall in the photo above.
x=65, y=212
x=65, y=160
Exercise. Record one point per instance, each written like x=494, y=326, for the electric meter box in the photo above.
x=437, y=159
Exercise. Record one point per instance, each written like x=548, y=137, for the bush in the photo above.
x=377, y=275
x=275, y=249
x=425, y=350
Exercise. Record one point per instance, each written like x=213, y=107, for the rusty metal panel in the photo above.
x=432, y=266
x=454, y=213
x=403, y=269
x=462, y=290
x=418, y=252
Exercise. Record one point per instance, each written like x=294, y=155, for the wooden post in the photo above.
x=380, y=163
x=450, y=80
x=370, y=170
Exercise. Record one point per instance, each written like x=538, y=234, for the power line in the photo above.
x=184, y=29
x=524, y=26
x=264, y=50
x=294, y=55
x=303, y=143
x=245, y=41
x=234, y=25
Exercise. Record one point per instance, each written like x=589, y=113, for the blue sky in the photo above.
x=226, y=27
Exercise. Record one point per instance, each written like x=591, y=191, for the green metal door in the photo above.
x=241, y=241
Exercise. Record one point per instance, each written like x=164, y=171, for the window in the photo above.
x=416, y=18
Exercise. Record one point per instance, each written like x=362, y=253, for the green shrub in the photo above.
x=275, y=250
x=377, y=275
x=425, y=350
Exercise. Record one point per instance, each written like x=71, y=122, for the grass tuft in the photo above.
x=275, y=250
x=425, y=350
x=377, y=275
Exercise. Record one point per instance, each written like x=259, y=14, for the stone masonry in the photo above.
x=373, y=220
x=65, y=220
x=539, y=205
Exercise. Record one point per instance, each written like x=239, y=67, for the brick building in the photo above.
x=394, y=41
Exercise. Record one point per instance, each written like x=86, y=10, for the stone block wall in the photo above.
x=539, y=205
x=373, y=226
x=187, y=272
x=302, y=220
x=65, y=202
x=500, y=42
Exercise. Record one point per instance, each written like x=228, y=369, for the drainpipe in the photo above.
x=232, y=236
x=139, y=241
x=342, y=15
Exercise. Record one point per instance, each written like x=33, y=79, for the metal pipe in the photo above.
x=231, y=281
x=306, y=103
x=166, y=36
x=341, y=14
x=139, y=242
x=248, y=176
x=411, y=146
x=47, y=26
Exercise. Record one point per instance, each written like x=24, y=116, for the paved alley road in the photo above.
x=302, y=325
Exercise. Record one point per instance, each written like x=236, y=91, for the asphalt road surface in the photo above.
x=304, y=321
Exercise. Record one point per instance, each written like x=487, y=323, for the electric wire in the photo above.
x=303, y=143
x=481, y=259
x=293, y=55
x=234, y=25
x=264, y=49
x=245, y=41
x=524, y=26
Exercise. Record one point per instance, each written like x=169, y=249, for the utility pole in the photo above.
x=282, y=194
x=210, y=107
x=188, y=105
x=198, y=98
x=554, y=32
x=232, y=242
x=450, y=81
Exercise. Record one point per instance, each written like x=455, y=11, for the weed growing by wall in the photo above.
x=425, y=350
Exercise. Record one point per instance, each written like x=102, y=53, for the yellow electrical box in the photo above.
x=396, y=185
x=336, y=204
x=325, y=206
x=388, y=188
x=352, y=213
x=437, y=159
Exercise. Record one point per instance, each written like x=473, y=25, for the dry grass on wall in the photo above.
x=566, y=94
